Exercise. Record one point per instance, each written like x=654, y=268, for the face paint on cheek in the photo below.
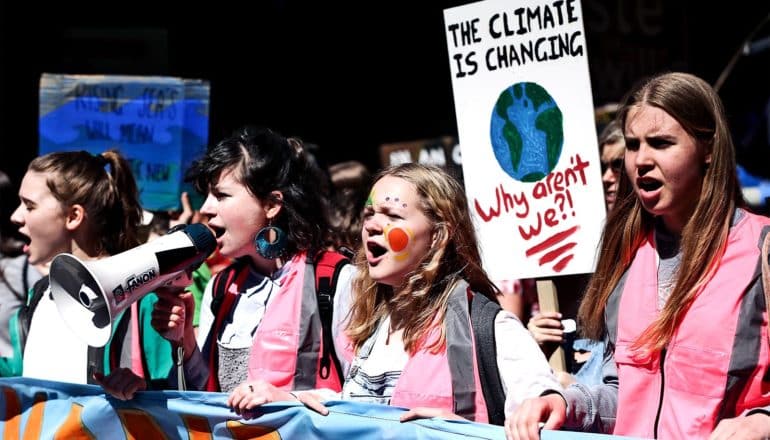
x=398, y=240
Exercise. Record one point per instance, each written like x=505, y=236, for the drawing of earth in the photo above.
x=527, y=132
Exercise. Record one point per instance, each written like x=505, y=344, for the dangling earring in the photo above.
x=270, y=241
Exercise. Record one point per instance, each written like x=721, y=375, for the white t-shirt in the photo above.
x=53, y=351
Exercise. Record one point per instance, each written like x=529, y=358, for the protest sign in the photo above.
x=525, y=122
x=160, y=124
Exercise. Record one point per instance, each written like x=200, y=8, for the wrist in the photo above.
x=188, y=344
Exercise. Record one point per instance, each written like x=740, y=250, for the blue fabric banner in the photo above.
x=52, y=410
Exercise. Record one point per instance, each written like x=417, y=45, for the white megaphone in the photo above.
x=89, y=295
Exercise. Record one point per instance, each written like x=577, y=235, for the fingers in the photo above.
x=186, y=215
x=121, y=384
x=186, y=205
x=168, y=314
x=525, y=422
x=545, y=323
x=546, y=316
x=249, y=395
x=409, y=415
x=312, y=402
x=754, y=426
x=422, y=412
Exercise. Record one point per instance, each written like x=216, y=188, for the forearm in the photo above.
x=594, y=408
x=196, y=372
x=591, y=409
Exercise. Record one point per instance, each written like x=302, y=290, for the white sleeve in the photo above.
x=524, y=370
x=206, y=320
x=342, y=302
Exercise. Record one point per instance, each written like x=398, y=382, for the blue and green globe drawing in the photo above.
x=527, y=132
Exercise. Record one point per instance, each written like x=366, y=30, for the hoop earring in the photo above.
x=270, y=242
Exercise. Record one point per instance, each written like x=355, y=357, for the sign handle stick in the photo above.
x=549, y=302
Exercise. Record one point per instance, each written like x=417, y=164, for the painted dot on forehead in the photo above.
x=398, y=239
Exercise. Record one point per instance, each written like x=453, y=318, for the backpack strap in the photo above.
x=483, y=314
x=764, y=256
x=27, y=310
x=222, y=282
x=327, y=267
x=221, y=303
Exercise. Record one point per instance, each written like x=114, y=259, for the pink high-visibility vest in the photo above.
x=714, y=365
x=448, y=379
x=288, y=343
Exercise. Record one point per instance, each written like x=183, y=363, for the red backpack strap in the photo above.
x=328, y=265
x=221, y=303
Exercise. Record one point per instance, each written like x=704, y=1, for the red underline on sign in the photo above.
x=556, y=253
x=551, y=241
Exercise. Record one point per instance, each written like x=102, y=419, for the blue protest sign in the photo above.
x=159, y=123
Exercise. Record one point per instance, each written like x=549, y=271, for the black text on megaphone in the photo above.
x=90, y=294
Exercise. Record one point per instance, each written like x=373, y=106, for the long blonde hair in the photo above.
x=698, y=109
x=454, y=257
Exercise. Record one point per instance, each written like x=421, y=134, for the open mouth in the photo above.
x=218, y=232
x=649, y=184
x=375, y=249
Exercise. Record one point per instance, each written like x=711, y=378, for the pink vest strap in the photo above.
x=136, y=346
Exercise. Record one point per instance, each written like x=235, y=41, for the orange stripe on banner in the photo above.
x=73, y=427
x=12, y=414
x=197, y=427
x=241, y=431
x=35, y=420
x=140, y=425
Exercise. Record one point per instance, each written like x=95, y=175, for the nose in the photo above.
x=18, y=215
x=209, y=206
x=372, y=225
x=642, y=158
x=609, y=175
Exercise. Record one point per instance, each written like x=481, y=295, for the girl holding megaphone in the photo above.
x=88, y=206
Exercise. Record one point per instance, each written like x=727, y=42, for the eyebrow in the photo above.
x=387, y=208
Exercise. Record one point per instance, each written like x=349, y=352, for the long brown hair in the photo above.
x=454, y=257
x=698, y=109
x=105, y=187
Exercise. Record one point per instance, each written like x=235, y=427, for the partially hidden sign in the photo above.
x=160, y=124
x=525, y=122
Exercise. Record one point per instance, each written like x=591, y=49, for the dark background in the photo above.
x=352, y=77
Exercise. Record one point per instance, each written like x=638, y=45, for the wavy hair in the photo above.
x=698, y=109
x=264, y=162
x=454, y=257
x=104, y=185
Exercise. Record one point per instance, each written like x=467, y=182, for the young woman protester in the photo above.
x=86, y=205
x=408, y=336
x=676, y=293
x=260, y=317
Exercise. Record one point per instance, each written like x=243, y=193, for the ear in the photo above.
x=440, y=236
x=273, y=204
x=76, y=215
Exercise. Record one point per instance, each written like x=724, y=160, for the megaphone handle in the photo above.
x=179, y=361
